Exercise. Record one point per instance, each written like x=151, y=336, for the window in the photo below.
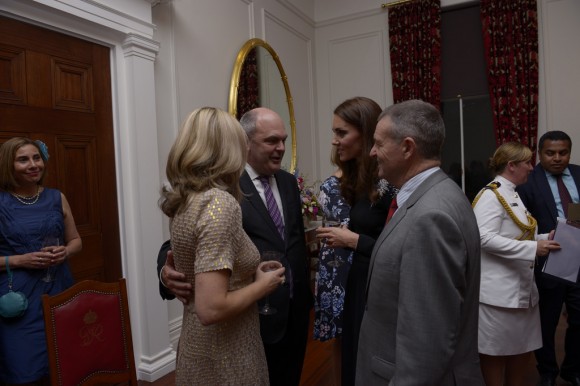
x=464, y=73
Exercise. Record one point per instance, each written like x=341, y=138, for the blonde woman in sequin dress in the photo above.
x=509, y=318
x=220, y=340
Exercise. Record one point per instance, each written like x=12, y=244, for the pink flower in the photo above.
x=310, y=205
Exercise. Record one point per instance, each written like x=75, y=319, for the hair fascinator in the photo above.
x=43, y=149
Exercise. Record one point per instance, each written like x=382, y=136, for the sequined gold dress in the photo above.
x=208, y=236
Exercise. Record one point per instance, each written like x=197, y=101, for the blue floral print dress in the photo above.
x=331, y=281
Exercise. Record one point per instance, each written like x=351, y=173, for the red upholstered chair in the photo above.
x=88, y=335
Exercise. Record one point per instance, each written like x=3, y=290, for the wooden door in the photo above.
x=57, y=88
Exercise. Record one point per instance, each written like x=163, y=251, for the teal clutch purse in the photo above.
x=13, y=304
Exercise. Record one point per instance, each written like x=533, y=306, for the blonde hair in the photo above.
x=509, y=151
x=209, y=152
x=7, y=154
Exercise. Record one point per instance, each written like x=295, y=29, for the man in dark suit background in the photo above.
x=284, y=333
x=541, y=197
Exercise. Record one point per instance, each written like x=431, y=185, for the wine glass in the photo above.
x=331, y=221
x=48, y=244
x=267, y=309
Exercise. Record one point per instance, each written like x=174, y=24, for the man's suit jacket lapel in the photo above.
x=546, y=192
x=252, y=195
x=401, y=212
x=575, y=172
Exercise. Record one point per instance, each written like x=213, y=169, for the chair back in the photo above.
x=88, y=333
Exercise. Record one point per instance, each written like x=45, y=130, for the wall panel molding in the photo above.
x=12, y=75
x=560, y=75
x=351, y=17
x=356, y=55
x=297, y=11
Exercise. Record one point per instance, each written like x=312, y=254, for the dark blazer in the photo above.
x=161, y=258
x=420, y=321
x=261, y=229
x=539, y=200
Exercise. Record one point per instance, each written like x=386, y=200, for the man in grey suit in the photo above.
x=420, y=320
x=285, y=333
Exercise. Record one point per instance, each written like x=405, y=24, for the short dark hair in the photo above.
x=554, y=135
x=418, y=120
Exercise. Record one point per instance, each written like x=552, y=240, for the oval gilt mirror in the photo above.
x=259, y=80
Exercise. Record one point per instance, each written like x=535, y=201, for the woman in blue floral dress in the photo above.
x=353, y=126
x=331, y=280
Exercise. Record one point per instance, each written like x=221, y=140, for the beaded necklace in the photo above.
x=26, y=200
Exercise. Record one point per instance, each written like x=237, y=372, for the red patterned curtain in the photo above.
x=415, y=45
x=510, y=36
x=248, y=87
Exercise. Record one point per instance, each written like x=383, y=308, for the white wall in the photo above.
x=204, y=37
x=559, y=101
x=351, y=60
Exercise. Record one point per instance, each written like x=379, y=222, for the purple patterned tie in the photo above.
x=272, y=206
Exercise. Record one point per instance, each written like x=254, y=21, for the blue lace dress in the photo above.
x=331, y=281
x=23, y=355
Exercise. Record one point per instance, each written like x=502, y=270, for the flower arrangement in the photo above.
x=310, y=204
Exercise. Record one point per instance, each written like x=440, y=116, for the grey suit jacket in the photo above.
x=421, y=316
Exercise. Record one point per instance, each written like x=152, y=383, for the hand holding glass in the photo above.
x=327, y=222
x=266, y=309
x=48, y=244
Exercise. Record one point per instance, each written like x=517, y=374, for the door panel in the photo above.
x=57, y=88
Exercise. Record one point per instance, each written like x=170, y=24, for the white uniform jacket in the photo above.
x=507, y=264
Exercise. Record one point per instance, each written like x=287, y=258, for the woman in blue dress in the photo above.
x=332, y=273
x=353, y=125
x=37, y=235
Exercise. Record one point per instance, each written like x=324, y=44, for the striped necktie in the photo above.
x=272, y=206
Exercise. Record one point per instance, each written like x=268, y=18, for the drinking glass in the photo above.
x=267, y=309
x=331, y=221
x=48, y=244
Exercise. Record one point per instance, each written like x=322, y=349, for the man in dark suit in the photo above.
x=284, y=333
x=542, y=198
x=421, y=314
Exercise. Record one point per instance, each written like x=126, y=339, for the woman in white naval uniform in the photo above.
x=509, y=319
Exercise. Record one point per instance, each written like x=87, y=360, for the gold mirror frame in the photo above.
x=234, y=85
